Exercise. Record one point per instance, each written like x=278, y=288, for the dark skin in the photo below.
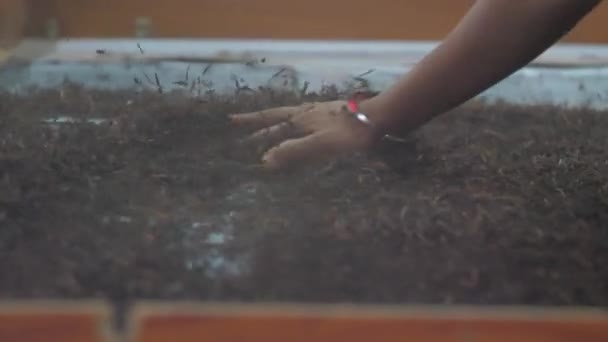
x=493, y=40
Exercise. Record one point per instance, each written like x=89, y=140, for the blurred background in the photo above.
x=276, y=19
x=317, y=41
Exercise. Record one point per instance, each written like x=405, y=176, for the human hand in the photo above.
x=307, y=132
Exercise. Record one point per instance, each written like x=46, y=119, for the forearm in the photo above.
x=492, y=41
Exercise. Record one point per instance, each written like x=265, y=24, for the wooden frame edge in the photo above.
x=99, y=307
x=463, y=314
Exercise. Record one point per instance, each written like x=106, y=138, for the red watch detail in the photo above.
x=353, y=108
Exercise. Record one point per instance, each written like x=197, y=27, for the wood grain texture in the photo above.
x=54, y=322
x=13, y=17
x=251, y=324
x=275, y=19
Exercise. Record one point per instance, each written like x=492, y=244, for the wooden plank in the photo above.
x=257, y=323
x=54, y=322
x=275, y=19
x=13, y=17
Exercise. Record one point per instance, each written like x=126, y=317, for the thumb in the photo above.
x=296, y=150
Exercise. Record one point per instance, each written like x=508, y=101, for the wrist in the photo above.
x=384, y=120
x=373, y=109
x=361, y=110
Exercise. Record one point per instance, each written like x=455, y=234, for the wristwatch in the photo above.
x=353, y=108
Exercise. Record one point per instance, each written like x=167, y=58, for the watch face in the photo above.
x=363, y=118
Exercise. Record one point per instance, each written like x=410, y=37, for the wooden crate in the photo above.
x=55, y=322
x=276, y=19
x=208, y=322
x=281, y=323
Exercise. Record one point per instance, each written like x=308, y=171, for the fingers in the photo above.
x=273, y=133
x=295, y=150
x=268, y=117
